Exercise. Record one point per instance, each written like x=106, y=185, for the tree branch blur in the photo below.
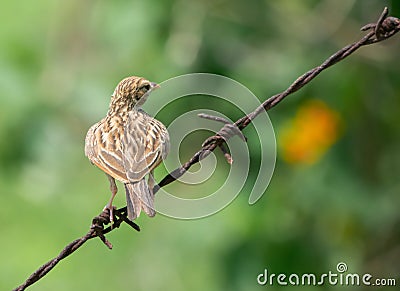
x=383, y=29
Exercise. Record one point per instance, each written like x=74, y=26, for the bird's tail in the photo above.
x=139, y=196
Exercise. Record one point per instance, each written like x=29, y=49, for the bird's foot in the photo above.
x=110, y=209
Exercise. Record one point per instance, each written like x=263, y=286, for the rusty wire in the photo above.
x=383, y=29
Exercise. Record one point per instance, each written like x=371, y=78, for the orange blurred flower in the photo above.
x=310, y=133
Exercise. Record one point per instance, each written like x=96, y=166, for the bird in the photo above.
x=128, y=144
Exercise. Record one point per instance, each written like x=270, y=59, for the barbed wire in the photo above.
x=383, y=29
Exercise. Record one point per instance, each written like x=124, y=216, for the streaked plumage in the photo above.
x=128, y=144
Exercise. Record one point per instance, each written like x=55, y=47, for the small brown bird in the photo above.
x=128, y=144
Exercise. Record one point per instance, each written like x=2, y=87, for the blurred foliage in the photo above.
x=310, y=134
x=59, y=63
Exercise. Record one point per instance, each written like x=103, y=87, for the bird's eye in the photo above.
x=145, y=87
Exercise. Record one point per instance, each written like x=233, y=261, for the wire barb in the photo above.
x=226, y=153
x=384, y=28
x=98, y=226
x=229, y=130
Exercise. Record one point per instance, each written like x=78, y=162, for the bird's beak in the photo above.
x=154, y=85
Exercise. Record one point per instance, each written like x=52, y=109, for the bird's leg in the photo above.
x=114, y=190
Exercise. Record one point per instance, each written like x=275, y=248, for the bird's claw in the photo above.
x=110, y=209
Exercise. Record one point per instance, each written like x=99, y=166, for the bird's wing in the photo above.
x=143, y=145
x=103, y=149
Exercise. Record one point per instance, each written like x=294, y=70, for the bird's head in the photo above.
x=132, y=91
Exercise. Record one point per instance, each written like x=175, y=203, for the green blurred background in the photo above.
x=59, y=63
